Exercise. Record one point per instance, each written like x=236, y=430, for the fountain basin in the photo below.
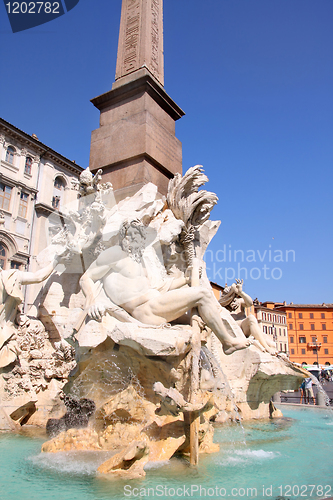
x=289, y=457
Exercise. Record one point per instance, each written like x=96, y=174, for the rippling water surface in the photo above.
x=284, y=458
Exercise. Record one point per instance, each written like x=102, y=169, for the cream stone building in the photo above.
x=273, y=323
x=36, y=183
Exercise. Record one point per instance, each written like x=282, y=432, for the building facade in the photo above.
x=217, y=289
x=273, y=323
x=36, y=183
x=310, y=329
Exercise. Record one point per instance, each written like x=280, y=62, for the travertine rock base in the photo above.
x=255, y=376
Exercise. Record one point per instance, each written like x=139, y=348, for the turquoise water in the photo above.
x=286, y=458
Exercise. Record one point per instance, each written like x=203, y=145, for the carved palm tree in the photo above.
x=190, y=205
x=193, y=207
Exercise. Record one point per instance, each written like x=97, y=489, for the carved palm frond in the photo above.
x=190, y=205
x=185, y=200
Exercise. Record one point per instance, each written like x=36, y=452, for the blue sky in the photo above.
x=255, y=78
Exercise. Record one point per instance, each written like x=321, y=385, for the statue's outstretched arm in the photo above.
x=28, y=278
x=248, y=302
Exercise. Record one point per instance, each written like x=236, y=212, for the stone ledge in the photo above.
x=139, y=86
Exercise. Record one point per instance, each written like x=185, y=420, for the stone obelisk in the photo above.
x=135, y=142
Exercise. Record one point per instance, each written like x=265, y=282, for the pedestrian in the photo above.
x=309, y=391
x=302, y=389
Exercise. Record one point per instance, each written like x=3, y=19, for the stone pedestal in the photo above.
x=136, y=141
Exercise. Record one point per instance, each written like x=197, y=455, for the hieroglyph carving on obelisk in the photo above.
x=141, y=38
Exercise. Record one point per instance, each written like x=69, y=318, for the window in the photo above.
x=264, y=316
x=59, y=183
x=284, y=321
x=301, y=326
x=323, y=326
x=290, y=326
x=322, y=315
x=302, y=340
x=59, y=187
x=3, y=256
x=280, y=332
x=300, y=315
x=281, y=348
x=5, y=194
x=23, y=206
x=269, y=317
x=292, y=351
x=15, y=265
x=56, y=202
x=290, y=315
x=312, y=326
x=313, y=339
x=291, y=340
x=284, y=332
x=326, y=351
x=315, y=351
x=10, y=153
x=311, y=315
x=274, y=318
x=28, y=165
x=325, y=340
x=303, y=351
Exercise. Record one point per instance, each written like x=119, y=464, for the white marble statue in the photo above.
x=235, y=300
x=84, y=226
x=145, y=290
x=11, y=297
x=124, y=278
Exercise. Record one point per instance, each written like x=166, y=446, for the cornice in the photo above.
x=136, y=87
x=40, y=149
x=47, y=210
x=18, y=184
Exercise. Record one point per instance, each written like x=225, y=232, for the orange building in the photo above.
x=310, y=332
x=217, y=289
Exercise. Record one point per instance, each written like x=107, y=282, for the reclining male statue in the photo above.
x=124, y=277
